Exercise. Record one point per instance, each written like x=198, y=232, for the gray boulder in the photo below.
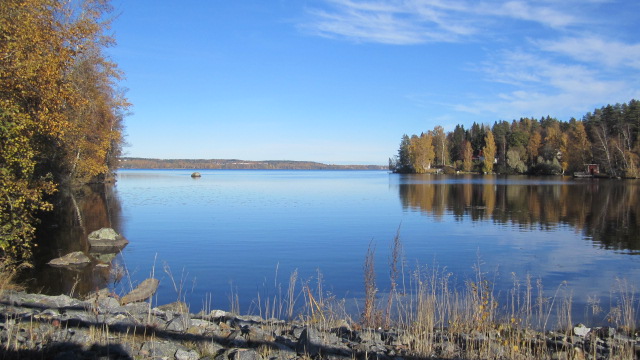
x=43, y=301
x=160, y=349
x=245, y=354
x=106, y=240
x=187, y=355
x=104, y=258
x=75, y=259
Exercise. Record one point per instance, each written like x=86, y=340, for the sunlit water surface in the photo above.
x=242, y=233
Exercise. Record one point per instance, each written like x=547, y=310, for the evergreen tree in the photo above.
x=457, y=141
x=501, y=133
x=404, y=158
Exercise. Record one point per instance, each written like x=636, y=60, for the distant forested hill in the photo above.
x=141, y=163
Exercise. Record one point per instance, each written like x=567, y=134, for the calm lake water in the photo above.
x=244, y=232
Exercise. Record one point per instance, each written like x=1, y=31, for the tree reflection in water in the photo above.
x=77, y=213
x=606, y=212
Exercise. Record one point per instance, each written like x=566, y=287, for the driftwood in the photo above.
x=142, y=292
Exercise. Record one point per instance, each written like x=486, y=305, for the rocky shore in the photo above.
x=34, y=326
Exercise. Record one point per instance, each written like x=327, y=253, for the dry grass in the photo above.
x=369, y=315
x=428, y=307
x=434, y=308
x=8, y=272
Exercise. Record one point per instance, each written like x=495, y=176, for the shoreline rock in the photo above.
x=74, y=260
x=106, y=240
x=61, y=327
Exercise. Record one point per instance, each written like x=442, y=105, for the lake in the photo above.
x=233, y=235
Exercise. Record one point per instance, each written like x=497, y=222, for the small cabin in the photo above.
x=592, y=169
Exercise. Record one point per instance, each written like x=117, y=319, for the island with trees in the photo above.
x=604, y=142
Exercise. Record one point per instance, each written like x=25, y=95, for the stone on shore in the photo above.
x=581, y=330
x=158, y=349
x=75, y=259
x=60, y=327
x=142, y=292
x=313, y=342
x=106, y=240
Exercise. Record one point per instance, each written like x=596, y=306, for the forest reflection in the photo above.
x=77, y=214
x=604, y=211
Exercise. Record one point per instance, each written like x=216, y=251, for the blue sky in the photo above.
x=340, y=81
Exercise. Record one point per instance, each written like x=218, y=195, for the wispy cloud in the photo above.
x=394, y=22
x=595, y=49
x=404, y=22
x=542, y=85
x=523, y=10
x=571, y=60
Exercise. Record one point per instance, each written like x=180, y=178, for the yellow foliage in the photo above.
x=421, y=152
x=489, y=152
x=43, y=112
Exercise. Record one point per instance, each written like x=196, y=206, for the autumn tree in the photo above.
x=610, y=136
x=33, y=58
x=440, y=145
x=421, y=152
x=467, y=156
x=489, y=152
x=552, y=140
x=533, y=147
x=613, y=131
x=93, y=142
x=578, y=149
x=41, y=44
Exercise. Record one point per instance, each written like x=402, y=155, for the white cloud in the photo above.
x=426, y=21
x=544, y=87
x=566, y=64
x=521, y=10
x=399, y=23
x=595, y=49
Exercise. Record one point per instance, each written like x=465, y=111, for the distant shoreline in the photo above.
x=235, y=164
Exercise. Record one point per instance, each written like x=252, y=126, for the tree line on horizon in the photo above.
x=235, y=164
x=608, y=137
x=61, y=111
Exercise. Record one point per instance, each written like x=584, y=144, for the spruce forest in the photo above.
x=61, y=109
x=608, y=137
